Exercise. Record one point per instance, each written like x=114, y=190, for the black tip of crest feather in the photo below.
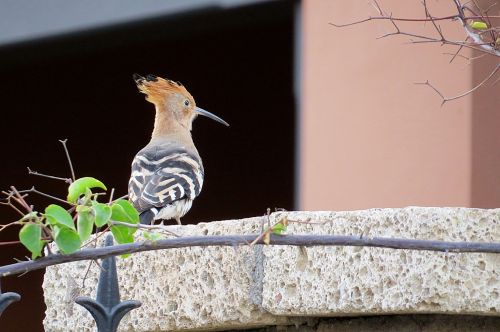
x=137, y=78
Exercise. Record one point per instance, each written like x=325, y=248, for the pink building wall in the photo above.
x=370, y=137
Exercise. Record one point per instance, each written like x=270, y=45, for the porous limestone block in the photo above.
x=223, y=288
x=329, y=281
x=197, y=288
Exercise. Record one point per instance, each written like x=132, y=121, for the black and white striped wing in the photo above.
x=159, y=179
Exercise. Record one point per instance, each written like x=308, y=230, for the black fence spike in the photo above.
x=107, y=309
x=6, y=299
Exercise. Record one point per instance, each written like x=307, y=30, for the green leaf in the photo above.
x=152, y=236
x=102, y=213
x=279, y=228
x=87, y=196
x=31, y=237
x=123, y=211
x=57, y=215
x=80, y=187
x=67, y=240
x=122, y=234
x=30, y=216
x=119, y=214
x=85, y=222
x=478, y=25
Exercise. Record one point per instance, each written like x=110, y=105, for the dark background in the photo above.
x=237, y=64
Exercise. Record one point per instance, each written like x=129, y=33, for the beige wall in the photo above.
x=369, y=137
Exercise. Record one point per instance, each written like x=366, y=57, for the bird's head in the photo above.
x=172, y=100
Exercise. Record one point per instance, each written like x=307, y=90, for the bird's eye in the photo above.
x=186, y=102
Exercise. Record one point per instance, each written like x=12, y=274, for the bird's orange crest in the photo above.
x=156, y=88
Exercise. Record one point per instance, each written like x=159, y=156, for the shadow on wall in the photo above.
x=485, y=135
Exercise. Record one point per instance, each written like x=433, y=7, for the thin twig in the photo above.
x=474, y=36
x=96, y=237
x=9, y=203
x=122, y=197
x=477, y=43
x=35, y=191
x=406, y=19
x=20, y=199
x=69, y=158
x=445, y=99
x=67, y=180
x=469, y=59
x=87, y=272
x=432, y=20
x=496, y=81
x=266, y=231
x=142, y=226
x=7, y=243
x=111, y=195
x=2, y=227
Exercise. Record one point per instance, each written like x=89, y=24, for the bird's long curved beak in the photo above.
x=201, y=111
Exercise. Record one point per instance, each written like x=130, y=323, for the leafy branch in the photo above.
x=69, y=228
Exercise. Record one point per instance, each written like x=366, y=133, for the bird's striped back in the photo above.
x=163, y=174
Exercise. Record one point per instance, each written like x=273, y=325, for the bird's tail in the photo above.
x=147, y=217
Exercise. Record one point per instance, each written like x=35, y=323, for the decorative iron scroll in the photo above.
x=107, y=309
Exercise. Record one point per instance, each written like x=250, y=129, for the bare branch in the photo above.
x=268, y=230
x=20, y=199
x=469, y=59
x=9, y=203
x=473, y=35
x=477, y=42
x=445, y=99
x=375, y=4
x=111, y=195
x=35, y=191
x=94, y=239
x=238, y=240
x=496, y=81
x=2, y=227
x=435, y=89
x=121, y=197
x=484, y=38
x=69, y=158
x=404, y=19
x=67, y=180
x=8, y=243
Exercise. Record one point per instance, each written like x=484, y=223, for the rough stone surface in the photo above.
x=220, y=288
x=188, y=288
x=326, y=281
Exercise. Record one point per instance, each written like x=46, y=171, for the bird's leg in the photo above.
x=178, y=219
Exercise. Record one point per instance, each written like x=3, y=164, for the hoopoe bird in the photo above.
x=167, y=174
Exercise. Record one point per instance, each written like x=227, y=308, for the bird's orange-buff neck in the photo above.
x=167, y=127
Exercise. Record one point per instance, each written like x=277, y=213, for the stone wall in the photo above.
x=280, y=287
